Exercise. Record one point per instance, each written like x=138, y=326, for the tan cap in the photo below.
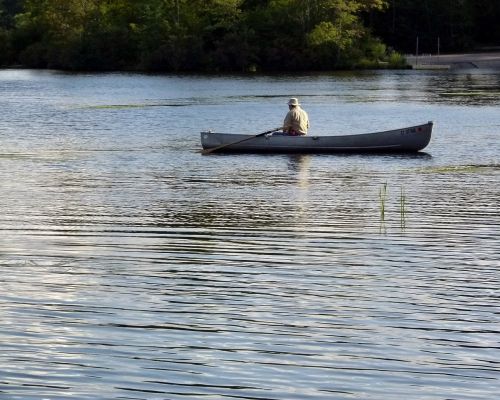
x=293, y=102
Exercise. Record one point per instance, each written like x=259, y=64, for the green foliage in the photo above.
x=396, y=60
x=485, y=17
x=4, y=47
x=8, y=9
x=235, y=35
x=454, y=22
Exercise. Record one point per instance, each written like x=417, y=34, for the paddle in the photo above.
x=208, y=151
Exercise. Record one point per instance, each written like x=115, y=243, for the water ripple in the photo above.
x=134, y=268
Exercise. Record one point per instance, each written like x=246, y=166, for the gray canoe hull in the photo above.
x=410, y=139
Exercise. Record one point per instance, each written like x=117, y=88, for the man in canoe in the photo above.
x=296, y=121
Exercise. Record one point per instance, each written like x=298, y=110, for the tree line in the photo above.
x=237, y=35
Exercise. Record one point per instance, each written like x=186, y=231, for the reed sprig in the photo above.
x=382, y=198
x=402, y=208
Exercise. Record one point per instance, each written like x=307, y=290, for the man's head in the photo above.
x=293, y=102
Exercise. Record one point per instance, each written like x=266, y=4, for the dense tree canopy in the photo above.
x=460, y=25
x=236, y=35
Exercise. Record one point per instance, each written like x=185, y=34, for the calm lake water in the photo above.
x=132, y=267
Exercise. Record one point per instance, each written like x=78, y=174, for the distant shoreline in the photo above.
x=484, y=60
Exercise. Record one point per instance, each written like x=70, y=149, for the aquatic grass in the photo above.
x=382, y=195
x=470, y=94
x=108, y=106
x=125, y=106
x=457, y=169
x=402, y=208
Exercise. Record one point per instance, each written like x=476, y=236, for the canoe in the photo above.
x=409, y=139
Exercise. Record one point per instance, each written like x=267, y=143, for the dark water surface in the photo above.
x=132, y=267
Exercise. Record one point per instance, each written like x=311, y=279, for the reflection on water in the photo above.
x=300, y=164
x=134, y=268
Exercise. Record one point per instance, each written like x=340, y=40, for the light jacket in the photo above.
x=297, y=120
